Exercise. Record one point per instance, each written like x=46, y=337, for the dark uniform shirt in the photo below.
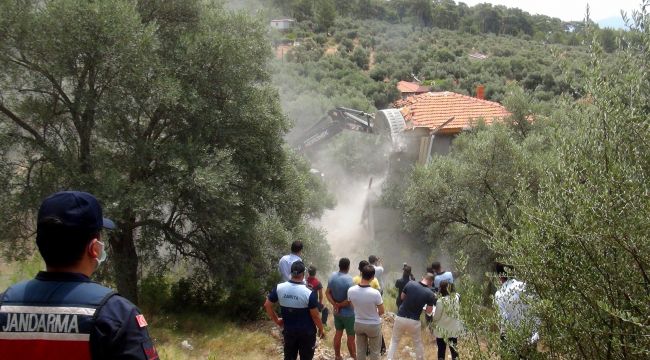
x=399, y=285
x=295, y=302
x=60, y=315
x=417, y=295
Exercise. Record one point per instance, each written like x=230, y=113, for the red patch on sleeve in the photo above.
x=141, y=321
x=150, y=351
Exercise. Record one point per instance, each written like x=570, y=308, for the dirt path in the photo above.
x=324, y=350
x=331, y=50
x=371, y=60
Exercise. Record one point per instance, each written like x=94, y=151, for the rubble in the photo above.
x=323, y=353
x=186, y=345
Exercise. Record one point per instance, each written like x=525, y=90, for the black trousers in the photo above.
x=442, y=347
x=325, y=312
x=299, y=342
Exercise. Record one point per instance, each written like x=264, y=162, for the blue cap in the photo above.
x=297, y=268
x=76, y=210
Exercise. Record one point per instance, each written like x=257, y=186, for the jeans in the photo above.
x=410, y=327
x=299, y=342
x=442, y=346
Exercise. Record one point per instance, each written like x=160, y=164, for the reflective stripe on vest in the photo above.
x=43, y=332
x=49, y=319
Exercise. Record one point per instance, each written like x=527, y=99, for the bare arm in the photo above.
x=315, y=316
x=320, y=295
x=380, y=309
x=402, y=296
x=439, y=311
x=268, y=306
x=330, y=298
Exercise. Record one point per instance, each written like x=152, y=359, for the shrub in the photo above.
x=155, y=293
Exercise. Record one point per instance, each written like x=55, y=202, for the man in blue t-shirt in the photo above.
x=440, y=275
x=337, y=294
x=414, y=297
x=300, y=317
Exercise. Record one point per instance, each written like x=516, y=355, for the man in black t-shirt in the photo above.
x=400, y=283
x=414, y=297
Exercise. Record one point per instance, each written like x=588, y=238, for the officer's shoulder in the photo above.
x=120, y=301
x=117, y=308
x=19, y=286
x=17, y=290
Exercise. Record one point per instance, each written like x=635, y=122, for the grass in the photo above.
x=212, y=338
x=13, y=272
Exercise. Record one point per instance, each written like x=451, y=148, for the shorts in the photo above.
x=344, y=322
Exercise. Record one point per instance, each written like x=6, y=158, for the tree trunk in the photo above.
x=125, y=258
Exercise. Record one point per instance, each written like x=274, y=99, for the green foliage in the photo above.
x=306, y=51
x=155, y=293
x=460, y=199
x=325, y=14
x=583, y=243
x=358, y=154
x=13, y=272
x=482, y=18
x=478, y=315
x=246, y=298
x=557, y=193
x=119, y=98
x=360, y=57
x=422, y=11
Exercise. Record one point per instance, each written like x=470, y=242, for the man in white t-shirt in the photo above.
x=368, y=308
x=285, y=262
x=379, y=271
x=512, y=303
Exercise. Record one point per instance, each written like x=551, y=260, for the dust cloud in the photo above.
x=347, y=231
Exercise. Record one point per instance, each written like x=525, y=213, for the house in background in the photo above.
x=407, y=89
x=282, y=24
x=432, y=120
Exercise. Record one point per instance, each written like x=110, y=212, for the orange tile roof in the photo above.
x=434, y=108
x=409, y=87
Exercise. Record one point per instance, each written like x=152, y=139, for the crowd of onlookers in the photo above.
x=63, y=301
x=357, y=303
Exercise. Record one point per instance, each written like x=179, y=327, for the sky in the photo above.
x=567, y=9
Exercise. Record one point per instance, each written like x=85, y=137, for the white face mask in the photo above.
x=103, y=255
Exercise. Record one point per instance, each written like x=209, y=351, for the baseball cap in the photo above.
x=297, y=268
x=76, y=210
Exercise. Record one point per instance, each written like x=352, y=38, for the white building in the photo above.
x=282, y=24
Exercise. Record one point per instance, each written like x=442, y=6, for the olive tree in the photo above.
x=583, y=244
x=164, y=110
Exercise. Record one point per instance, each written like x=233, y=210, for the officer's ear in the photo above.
x=94, y=249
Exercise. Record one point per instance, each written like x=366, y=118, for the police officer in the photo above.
x=300, y=317
x=62, y=314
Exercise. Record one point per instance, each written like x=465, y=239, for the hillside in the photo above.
x=183, y=117
x=321, y=70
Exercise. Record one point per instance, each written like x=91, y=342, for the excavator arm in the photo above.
x=336, y=121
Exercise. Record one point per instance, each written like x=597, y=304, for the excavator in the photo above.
x=388, y=122
x=407, y=147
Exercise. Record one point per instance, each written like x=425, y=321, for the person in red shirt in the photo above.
x=315, y=285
